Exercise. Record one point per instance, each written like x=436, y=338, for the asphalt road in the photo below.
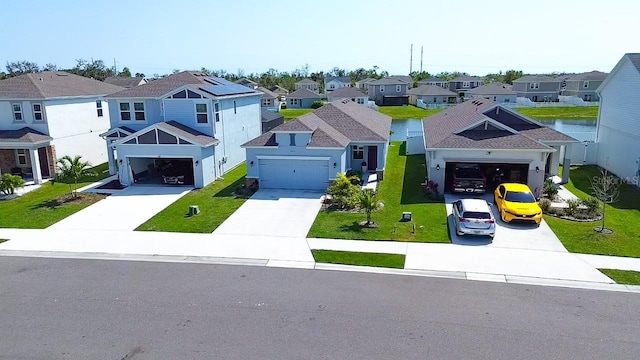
x=88, y=309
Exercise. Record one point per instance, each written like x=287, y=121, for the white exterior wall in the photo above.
x=207, y=165
x=75, y=127
x=6, y=116
x=236, y=129
x=618, y=133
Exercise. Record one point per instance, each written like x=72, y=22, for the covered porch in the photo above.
x=27, y=153
x=367, y=157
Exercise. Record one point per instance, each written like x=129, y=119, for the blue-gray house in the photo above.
x=302, y=99
x=309, y=151
x=184, y=129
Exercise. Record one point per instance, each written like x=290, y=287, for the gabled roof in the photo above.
x=388, y=81
x=588, y=76
x=268, y=115
x=346, y=92
x=481, y=124
x=634, y=59
x=180, y=131
x=430, y=90
x=466, y=78
x=306, y=81
x=342, y=79
x=536, y=78
x=201, y=81
x=365, y=80
x=51, y=85
x=276, y=88
x=431, y=79
x=334, y=125
x=125, y=82
x=267, y=94
x=492, y=89
x=25, y=135
x=244, y=81
x=406, y=78
x=304, y=94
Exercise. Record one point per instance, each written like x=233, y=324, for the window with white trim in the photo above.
x=125, y=111
x=266, y=102
x=21, y=156
x=17, y=112
x=585, y=84
x=202, y=115
x=466, y=84
x=216, y=110
x=381, y=88
x=435, y=99
x=360, y=101
x=138, y=108
x=534, y=85
x=99, y=108
x=292, y=139
x=398, y=88
x=37, y=112
x=357, y=152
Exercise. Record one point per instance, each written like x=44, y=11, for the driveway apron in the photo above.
x=123, y=210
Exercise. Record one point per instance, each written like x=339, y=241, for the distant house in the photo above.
x=431, y=94
x=406, y=78
x=309, y=85
x=349, y=93
x=496, y=92
x=125, y=82
x=537, y=88
x=302, y=99
x=583, y=85
x=618, y=127
x=279, y=90
x=462, y=84
x=336, y=82
x=269, y=99
x=247, y=82
x=362, y=84
x=388, y=91
x=434, y=81
x=270, y=119
x=47, y=115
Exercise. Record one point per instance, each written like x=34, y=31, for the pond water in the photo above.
x=582, y=130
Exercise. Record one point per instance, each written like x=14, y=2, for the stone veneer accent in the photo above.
x=8, y=160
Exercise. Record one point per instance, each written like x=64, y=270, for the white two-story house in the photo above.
x=184, y=129
x=47, y=115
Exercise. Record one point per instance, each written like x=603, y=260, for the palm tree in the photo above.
x=368, y=203
x=71, y=170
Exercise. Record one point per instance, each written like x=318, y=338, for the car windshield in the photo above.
x=520, y=197
x=476, y=215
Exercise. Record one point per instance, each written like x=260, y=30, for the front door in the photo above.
x=44, y=162
x=372, y=158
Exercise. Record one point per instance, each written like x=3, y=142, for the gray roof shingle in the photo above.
x=635, y=59
x=342, y=79
x=25, y=135
x=187, y=133
x=492, y=89
x=388, y=81
x=304, y=94
x=53, y=84
x=536, y=78
x=306, y=81
x=125, y=82
x=268, y=116
x=267, y=94
x=346, y=92
x=430, y=90
x=588, y=76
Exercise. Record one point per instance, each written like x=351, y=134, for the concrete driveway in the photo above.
x=282, y=213
x=123, y=210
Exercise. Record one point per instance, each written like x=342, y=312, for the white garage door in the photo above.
x=294, y=174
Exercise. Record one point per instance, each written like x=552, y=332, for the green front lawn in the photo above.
x=294, y=113
x=216, y=201
x=38, y=209
x=622, y=217
x=399, y=191
x=561, y=112
x=623, y=276
x=406, y=112
x=395, y=261
x=3, y=240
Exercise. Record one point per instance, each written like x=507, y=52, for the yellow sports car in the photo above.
x=516, y=202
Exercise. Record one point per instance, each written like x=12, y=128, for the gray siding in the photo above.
x=301, y=103
x=389, y=90
x=577, y=88
x=548, y=91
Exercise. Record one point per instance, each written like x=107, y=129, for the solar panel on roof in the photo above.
x=220, y=87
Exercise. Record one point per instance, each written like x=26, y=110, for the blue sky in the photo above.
x=477, y=37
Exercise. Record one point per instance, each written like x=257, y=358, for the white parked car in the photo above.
x=473, y=217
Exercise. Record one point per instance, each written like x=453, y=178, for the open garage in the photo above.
x=164, y=171
x=494, y=173
x=307, y=174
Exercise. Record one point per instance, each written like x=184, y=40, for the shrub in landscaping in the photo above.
x=9, y=183
x=355, y=176
x=592, y=205
x=549, y=189
x=573, y=206
x=545, y=205
x=316, y=104
x=343, y=192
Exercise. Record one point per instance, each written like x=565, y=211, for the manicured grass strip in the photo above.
x=399, y=191
x=216, y=202
x=35, y=210
x=3, y=240
x=293, y=113
x=394, y=261
x=621, y=217
x=623, y=276
x=407, y=112
x=564, y=112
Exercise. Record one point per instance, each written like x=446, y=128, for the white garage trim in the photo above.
x=283, y=157
x=493, y=160
x=296, y=174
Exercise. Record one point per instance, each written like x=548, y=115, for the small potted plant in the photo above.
x=364, y=167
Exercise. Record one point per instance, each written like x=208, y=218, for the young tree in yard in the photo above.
x=343, y=192
x=9, y=183
x=368, y=203
x=607, y=189
x=71, y=170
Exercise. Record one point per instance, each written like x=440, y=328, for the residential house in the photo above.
x=362, y=84
x=583, y=85
x=309, y=85
x=349, y=93
x=537, y=88
x=618, y=127
x=496, y=92
x=388, y=91
x=282, y=92
x=247, y=82
x=269, y=99
x=431, y=94
x=45, y=116
x=270, y=119
x=302, y=99
x=332, y=83
x=434, y=81
x=186, y=128
x=309, y=151
x=500, y=141
x=125, y=82
x=406, y=78
x=462, y=84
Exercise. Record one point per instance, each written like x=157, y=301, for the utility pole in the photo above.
x=421, y=52
x=411, y=61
